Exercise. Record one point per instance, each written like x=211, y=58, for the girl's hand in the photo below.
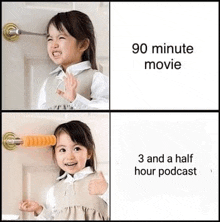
x=30, y=206
x=70, y=88
x=98, y=186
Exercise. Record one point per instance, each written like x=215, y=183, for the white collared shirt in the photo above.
x=67, y=182
x=99, y=89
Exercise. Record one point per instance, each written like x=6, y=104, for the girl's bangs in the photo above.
x=56, y=22
x=77, y=135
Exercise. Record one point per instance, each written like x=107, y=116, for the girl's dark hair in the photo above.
x=80, y=27
x=79, y=133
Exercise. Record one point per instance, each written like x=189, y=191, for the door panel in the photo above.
x=34, y=79
x=36, y=182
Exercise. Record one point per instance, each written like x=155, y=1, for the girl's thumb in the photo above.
x=101, y=176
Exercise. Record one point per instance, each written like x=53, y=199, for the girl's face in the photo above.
x=71, y=157
x=63, y=49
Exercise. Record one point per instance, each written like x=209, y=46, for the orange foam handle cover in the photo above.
x=42, y=140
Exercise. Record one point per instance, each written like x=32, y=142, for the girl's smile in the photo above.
x=71, y=157
x=63, y=49
x=56, y=54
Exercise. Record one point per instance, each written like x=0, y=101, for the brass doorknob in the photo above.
x=7, y=32
x=9, y=136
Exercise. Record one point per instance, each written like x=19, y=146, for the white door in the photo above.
x=25, y=62
x=28, y=173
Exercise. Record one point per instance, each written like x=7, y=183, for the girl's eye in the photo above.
x=49, y=40
x=77, y=148
x=62, y=150
x=62, y=37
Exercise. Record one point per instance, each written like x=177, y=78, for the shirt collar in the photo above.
x=74, y=69
x=77, y=176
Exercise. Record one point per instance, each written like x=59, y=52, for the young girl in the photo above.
x=76, y=83
x=76, y=196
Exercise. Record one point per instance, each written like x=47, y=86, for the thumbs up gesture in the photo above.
x=98, y=186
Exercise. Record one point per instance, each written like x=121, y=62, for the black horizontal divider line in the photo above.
x=109, y=111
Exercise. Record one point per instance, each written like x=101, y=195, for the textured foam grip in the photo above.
x=42, y=140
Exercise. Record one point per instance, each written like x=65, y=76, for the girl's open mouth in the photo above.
x=56, y=53
x=70, y=164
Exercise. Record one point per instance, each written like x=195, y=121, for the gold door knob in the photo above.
x=7, y=32
x=9, y=136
